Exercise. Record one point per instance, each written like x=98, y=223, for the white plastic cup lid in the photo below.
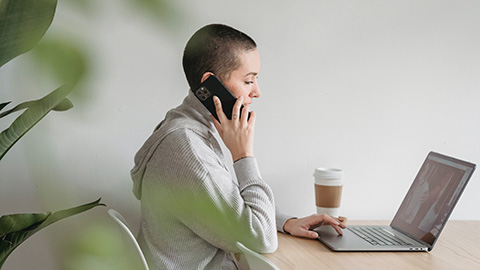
x=328, y=173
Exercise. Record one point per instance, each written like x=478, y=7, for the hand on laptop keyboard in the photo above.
x=302, y=227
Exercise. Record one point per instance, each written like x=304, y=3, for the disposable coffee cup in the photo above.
x=328, y=190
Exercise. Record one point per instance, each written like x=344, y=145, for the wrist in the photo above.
x=288, y=224
x=238, y=157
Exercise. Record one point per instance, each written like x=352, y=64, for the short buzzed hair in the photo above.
x=214, y=48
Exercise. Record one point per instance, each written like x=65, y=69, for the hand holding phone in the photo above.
x=211, y=87
x=237, y=134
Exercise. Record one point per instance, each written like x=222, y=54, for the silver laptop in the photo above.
x=421, y=216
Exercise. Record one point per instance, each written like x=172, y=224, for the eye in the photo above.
x=249, y=82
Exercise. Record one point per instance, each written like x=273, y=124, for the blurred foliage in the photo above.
x=35, y=112
x=163, y=11
x=62, y=58
x=190, y=203
x=23, y=23
x=15, y=229
x=85, y=6
x=101, y=246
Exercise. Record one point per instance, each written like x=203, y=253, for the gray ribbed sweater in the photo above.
x=193, y=211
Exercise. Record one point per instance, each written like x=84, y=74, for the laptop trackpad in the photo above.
x=348, y=241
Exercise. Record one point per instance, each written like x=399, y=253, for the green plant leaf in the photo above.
x=17, y=222
x=22, y=24
x=64, y=105
x=15, y=229
x=3, y=105
x=19, y=107
x=35, y=112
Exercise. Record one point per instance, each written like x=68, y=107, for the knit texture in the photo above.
x=193, y=210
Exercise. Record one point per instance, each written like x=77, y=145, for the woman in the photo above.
x=193, y=210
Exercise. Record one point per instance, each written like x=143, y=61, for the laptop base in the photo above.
x=350, y=242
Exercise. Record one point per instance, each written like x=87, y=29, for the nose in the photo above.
x=255, y=91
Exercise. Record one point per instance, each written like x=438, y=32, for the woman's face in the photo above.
x=243, y=81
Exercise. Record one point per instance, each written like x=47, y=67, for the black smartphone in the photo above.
x=211, y=87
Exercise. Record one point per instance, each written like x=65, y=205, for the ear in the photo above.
x=205, y=76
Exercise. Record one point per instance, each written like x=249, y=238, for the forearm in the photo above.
x=259, y=200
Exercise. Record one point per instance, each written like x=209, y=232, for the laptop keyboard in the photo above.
x=377, y=236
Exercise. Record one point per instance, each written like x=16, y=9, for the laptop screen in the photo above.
x=432, y=197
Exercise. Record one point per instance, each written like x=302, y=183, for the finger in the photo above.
x=306, y=234
x=334, y=223
x=337, y=228
x=218, y=107
x=317, y=220
x=217, y=125
x=252, y=118
x=312, y=235
x=340, y=219
x=236, y=108
x=331, y=220
x=244, y=115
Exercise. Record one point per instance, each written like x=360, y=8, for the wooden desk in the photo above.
x=457, y=248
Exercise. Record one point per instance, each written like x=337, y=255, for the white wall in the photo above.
x=367, y=86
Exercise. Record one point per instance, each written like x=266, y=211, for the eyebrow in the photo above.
x=251, y=73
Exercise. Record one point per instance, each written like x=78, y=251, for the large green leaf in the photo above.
x=3, y=105
x=15, y=229
x=22, y=24
x=64, y=105
x=36, y=110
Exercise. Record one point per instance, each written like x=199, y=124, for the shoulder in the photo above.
x=189, y=147
x=186, y=139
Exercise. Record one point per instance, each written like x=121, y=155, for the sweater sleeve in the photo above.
x=246, y=169
x=281, y=219
x=205, y=197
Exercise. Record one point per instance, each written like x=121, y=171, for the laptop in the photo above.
x=421, y=216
